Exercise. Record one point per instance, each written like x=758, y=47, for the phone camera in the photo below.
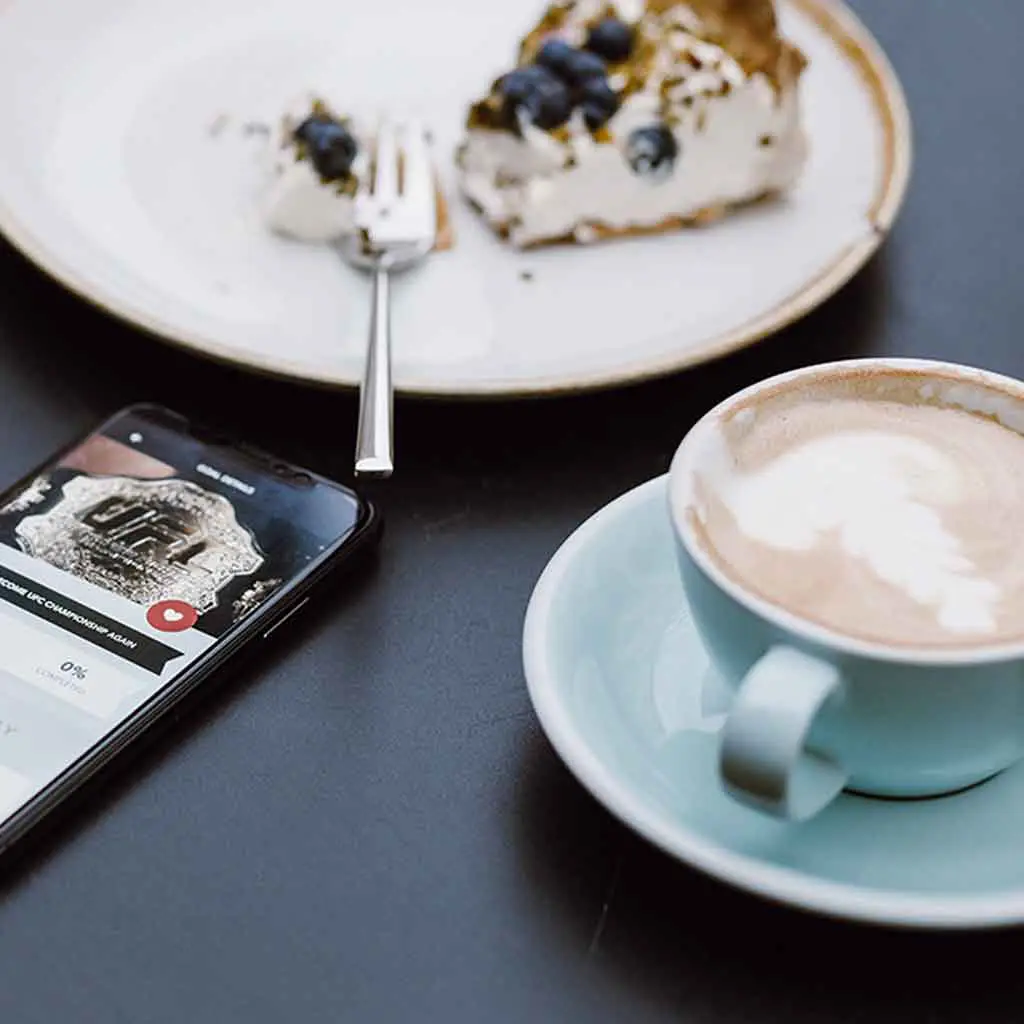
x=293, y=476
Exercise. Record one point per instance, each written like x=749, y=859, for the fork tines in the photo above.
x=400, y=207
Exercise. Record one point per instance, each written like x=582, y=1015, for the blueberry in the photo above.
x=535, y=91
x=571, y=65
x=652, y=151
x=598, y=101
x=611, y=39
x=518, y=84
x=586, y=66
x=555, y=55
x=330, y=145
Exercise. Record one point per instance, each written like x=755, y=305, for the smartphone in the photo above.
x=133, y=564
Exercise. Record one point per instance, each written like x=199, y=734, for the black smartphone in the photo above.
x=133, y=564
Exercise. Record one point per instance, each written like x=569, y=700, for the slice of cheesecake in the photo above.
x=318, y=161
x=635, y=116
x=320, y=157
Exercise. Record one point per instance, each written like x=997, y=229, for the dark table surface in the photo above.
x=367, y=824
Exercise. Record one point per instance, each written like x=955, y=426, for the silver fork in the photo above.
x=397, y=218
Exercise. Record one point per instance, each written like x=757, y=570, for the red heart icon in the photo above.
x=171, y=616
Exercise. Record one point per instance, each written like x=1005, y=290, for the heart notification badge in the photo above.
x=172, y=616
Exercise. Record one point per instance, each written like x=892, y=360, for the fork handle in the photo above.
x=374, y=445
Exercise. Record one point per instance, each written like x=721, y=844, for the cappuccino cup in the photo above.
x=848, y=538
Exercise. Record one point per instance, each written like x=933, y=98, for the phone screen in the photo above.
x=121, y=564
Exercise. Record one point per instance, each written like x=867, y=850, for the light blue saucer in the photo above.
x=625, y=693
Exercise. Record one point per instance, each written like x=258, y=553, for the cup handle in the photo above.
x=763, y=761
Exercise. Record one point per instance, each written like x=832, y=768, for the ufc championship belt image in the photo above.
x=145, y=540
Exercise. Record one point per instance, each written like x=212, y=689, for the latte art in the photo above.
x=872, y=511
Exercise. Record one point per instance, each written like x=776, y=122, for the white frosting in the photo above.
x=881, y=494
x=530, y=185
x=298, y=205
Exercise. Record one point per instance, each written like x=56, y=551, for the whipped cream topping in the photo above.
x=738, y=137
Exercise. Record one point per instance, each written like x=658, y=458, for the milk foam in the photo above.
x=873, y=489
x=883, y=515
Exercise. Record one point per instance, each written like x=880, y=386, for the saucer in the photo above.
x=626, y=694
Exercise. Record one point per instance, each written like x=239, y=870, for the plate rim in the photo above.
x=834, y=17
x=781, y=885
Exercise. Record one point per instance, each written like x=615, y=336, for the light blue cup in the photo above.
x=816, y=711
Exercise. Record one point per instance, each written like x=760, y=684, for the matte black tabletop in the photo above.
x=366, y=824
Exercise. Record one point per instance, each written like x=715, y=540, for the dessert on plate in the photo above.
x=635, y=116
x=319, y=159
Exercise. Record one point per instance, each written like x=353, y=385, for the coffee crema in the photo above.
x=873, y=504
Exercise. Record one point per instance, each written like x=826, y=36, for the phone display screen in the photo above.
x=122, y=563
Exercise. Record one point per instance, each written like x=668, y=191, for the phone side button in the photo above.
x=284, y=618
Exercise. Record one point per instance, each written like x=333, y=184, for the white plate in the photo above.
x=127, y=175
x=626, y=693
